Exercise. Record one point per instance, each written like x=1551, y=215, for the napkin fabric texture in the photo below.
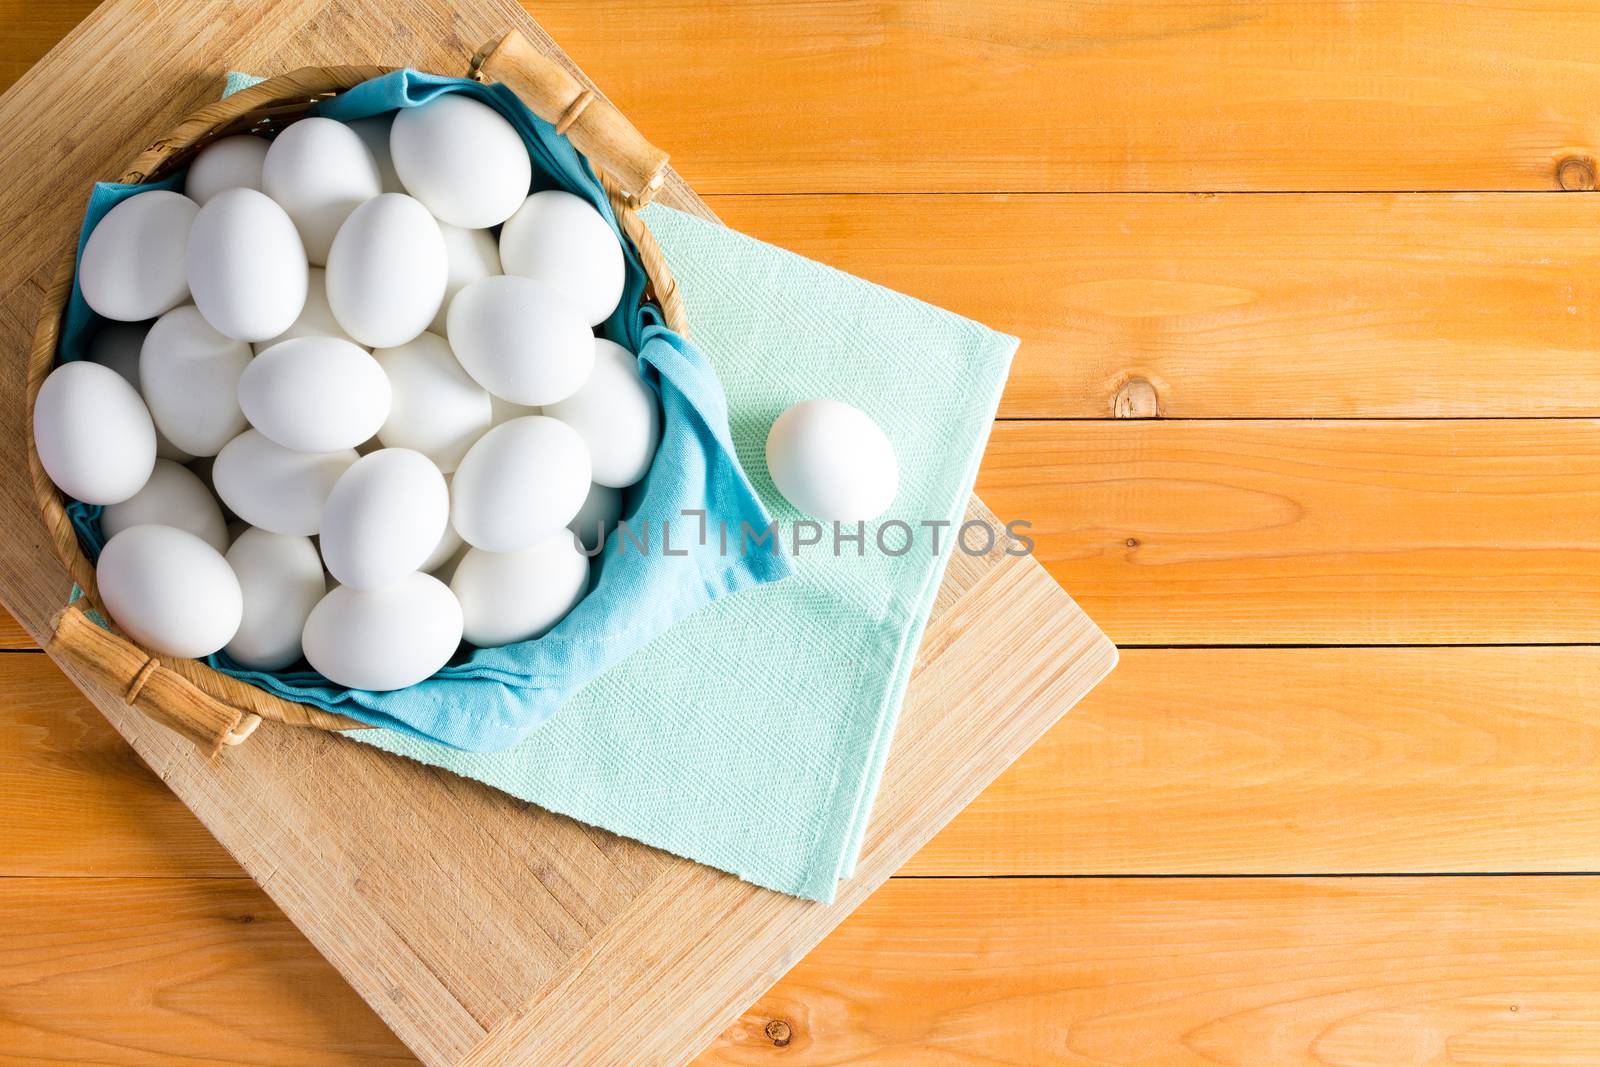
x=752, y=735
x=489, y=699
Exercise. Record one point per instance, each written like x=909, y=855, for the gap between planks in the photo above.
x=1268, y=762
x=1042, y=971
x=1382, y=532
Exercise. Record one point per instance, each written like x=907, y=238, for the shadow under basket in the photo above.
x=215, y=709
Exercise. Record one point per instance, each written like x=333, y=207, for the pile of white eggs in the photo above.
x=406, y=409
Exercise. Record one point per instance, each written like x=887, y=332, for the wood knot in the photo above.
x=1137, y=399
x=1576, y=174
x=779, y=1033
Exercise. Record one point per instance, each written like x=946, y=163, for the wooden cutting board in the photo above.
x=482, y=929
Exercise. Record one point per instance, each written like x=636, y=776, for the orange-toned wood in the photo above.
x=1303, y=761
x=28, y=29
x=1036, y=94
x=76, y=800
x=154, y=972
x=481, y=930
x=1353, y=971
x=1278, y=761
x=1428, y=532
x=1349, y=305
x=1346, y=972
x=1032, y=94
x=1242, y=306
x=12, y=635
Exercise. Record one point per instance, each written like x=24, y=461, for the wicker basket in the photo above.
x=205, y=705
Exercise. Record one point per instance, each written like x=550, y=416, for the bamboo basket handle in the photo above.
x=148, y=682
x=594, y=127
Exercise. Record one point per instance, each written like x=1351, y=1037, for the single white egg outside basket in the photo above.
x=832, y=461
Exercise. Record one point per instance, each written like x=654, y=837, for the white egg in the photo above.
x=319, y=171
x=226, y=163
x=132, y=266
x=437, y=408
x=472, y=255
x=387, y=271
x=116, y=345
x=277, y=488
x=560, y=239
x=462, y=159
x=384, y=518
x=616, y=414
x=832, y=461
x=449, y=546
x=383, y=639
x=189, y=375
x=374, y=133
x=505, y=410
x=315, y=394
x=598, y=516
x=316, y=318
x=281, y=579
x=508, y=597
x=522, y=480
x=247, y=269
x=521, y=340
x=169, y=591
x=92, y=433
x=173, y=496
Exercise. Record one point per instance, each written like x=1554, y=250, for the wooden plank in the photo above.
x=29, y=29
x=1203, y=533
x=480, y=929
x=141, y=972
x=1040, y=95
x=76, y=800
x=1335, y=972
x=1301, y=761
x=1211, y=96
x=1041, y=971
x=12, y=636
x=1191, y=761
x=1242, y=306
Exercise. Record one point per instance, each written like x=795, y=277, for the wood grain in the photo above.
x=29, y=28
x=1301, y=761
x=1352, y=971
x=1191, y=307
x=1209, y=96
x=481, y=929
x=1023, y=95
x=1348, y=306
x=141, y=972
x=12, y=636
x=1204, y=533
x=1364, y=971
x=1193, y=761
x=76, y=800
x=1238, y=972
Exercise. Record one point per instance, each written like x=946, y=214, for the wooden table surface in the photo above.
x=1302, y=417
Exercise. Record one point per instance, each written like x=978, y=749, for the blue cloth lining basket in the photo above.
x=486, y=699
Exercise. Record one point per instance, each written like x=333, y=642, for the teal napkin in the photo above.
x=752, y=735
